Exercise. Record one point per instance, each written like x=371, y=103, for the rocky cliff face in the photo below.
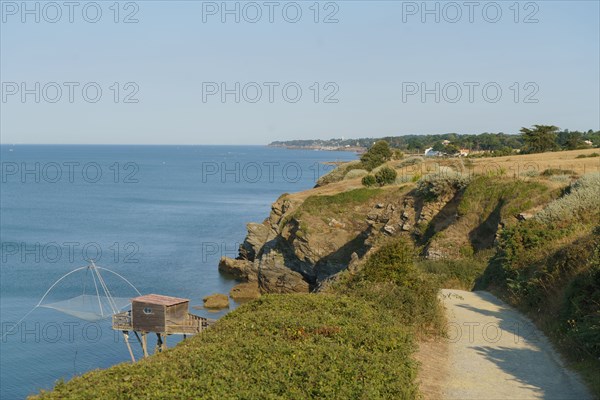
x=261, y=256
x=295, y=250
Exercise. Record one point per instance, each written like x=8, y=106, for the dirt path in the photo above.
x=494, y=352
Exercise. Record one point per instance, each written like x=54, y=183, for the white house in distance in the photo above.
x=429, y=152
x=588, y=142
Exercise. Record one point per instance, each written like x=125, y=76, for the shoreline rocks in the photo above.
x=216, y=301
x=245, y=291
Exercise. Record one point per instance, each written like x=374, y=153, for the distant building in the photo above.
x=588, y=142
x=463, y=152
x=445, y=142
x=432, y=153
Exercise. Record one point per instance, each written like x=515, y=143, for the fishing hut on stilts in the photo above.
x=151, y=313
x=162, y=315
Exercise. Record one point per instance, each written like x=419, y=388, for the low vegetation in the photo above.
x=549, y=267
x=354, y=343
x=434, y=186
x=384, y=176
x=454, y=274
x=316, y=205
x=592, y=155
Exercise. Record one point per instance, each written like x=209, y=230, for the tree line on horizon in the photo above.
x=537, y=139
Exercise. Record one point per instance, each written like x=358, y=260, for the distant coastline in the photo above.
x=318, y=147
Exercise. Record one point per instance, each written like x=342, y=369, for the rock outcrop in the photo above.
x=245, y=291
x=216, y=301
x=299, y=249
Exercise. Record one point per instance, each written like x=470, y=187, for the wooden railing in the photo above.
x=190, y=325
x=122, y=321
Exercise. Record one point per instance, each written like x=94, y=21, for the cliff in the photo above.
x=311, y=236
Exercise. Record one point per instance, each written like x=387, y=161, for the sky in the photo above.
x=188, y=72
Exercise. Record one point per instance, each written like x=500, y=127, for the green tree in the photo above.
x=379, y=153
x=452, y=149
x=539, y=139
x=439, y=146
x=573, y=141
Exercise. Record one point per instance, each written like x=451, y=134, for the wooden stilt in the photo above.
x=145, y=344
x=164, y=342
x=126, y=336
x=138, y=338
x=158, y=347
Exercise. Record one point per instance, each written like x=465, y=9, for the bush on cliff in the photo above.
x=385, y=176
x=377, y=154
x=391, y=281
x=369, y=180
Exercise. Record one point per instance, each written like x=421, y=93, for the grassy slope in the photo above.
x=280, y=346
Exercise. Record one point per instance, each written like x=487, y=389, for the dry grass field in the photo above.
x=519, y=164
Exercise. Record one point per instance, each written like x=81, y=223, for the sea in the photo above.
x=154, y=219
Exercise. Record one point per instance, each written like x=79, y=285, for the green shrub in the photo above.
x=454, y=274
x=592, y=155
x=377, y=154
x=369, y=180
x=581, y=308
x=397, y=154
x=391, y=281
x=385, y=176
x=557, y=171
x=392, y=262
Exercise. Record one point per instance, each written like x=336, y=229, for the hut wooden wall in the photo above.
x=177, y=313
x=154, y=322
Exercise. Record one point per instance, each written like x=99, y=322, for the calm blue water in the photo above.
x=159, y=215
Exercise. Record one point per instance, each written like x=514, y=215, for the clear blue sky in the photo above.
x=370, y=54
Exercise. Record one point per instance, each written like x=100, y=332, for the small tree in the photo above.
x=379, y=153
x=439, y=146
x=385, y=176
x=540, y=139
x=452, y=149
x=369, y=180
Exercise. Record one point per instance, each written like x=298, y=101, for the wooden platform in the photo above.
x=191, y=324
